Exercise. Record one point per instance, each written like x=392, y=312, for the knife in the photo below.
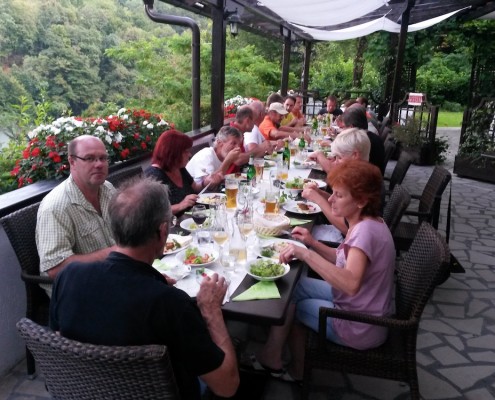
x=206, y=187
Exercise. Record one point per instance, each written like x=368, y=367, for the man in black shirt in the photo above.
x=124, y=301
x=331, y=108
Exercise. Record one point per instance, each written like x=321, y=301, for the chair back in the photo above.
x=396, y=206
x=431, y=196
x=118, y=177
x=419, y=271
x=201, y=143
x=400, y=170
x=389, y=147
x=75, y=370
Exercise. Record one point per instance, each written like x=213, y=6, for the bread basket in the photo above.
x=271, y=224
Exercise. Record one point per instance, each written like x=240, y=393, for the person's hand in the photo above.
x=307, y=136
x=280, y=144
x=315, y=155
x=267, y=146
x=291, y=252
x=302, y=235
x=232, y=155
x=170, y=281
x=311, y=194
x=188, y=201
x=211, y=292
x=214, y=179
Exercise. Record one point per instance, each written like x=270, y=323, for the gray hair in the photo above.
x=225, y=132
x=351, y=140
x=355, y=117
x=258, y=109
x=137, y=210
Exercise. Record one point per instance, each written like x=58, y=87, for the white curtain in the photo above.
x=321, y=12
x=383, y=24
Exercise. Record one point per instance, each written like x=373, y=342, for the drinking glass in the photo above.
x=199, y=215
x=259, y=165
x=282, y=171
x=243, y=193
x=231, y=189
x=271, y=200
x=219, y=230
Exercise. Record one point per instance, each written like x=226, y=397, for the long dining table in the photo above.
x=262, y=312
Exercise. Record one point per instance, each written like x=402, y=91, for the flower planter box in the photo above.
x=482, y=170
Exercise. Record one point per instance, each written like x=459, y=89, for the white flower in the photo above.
x=149, y=126
x=145, y=122
x=54, y=130
x=100, y=129
x=108, y=138
x=161, y=123
x=121, y=111
x=125, y=117
x=118, y=137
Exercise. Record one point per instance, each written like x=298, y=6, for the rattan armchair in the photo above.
x=395, y=207
x=20, y=227
x=396, y=358
x=400, y=170
x=75, y=370
x=428, y=208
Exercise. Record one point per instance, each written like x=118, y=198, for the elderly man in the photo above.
x=270, y=127
x=226, y=151
x=254, y=142
x=123, y=300
x=73, y=222
x=331, y=107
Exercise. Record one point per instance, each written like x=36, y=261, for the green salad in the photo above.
x=267, y=268
x=296, y=183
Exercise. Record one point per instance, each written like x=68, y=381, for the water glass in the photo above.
x=259, y=165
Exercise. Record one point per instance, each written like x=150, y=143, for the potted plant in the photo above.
x=476, y=156
x=411, y=137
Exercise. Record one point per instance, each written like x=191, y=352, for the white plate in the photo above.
x=254, y=190
x=304, y=164
x=210, y=198
x=272, y=243
x=202, y=251
x=183, y=241
x=292, y=206
x=266, y=278
x=186, y=224
x=201, y=271
x=179, y=271
x=238, y=175
x=270, y=163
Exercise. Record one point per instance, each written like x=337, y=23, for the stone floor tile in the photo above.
x=480, y=394
x=450, y=296
x=446, y=355
x=483, y=342
x=467, y=376
x=481, y=258
x=433, y=388
x=382, y=389
x=436, y=326
x=483, y=356
x=470, y=325
x=426, y=340
x=451, y=311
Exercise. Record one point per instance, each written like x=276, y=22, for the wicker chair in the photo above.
x=20, y=227
x=118, y=177
x=75, y=370
x=390, y=147
x=400, y=171
x=428, y=208
x=396, y=206
x=396, y=358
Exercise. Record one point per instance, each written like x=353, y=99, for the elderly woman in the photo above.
x=357, y=276
x=168, y=165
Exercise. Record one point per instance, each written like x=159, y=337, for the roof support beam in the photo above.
x=399, y=62
x=285, y=66
x=305, y=72
x=217, y=67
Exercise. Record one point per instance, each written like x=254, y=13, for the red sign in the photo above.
x=415, y=99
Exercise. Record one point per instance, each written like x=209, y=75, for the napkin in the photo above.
x=259, y=291
x=296, y=221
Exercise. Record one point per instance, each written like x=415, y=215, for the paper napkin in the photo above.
x=259, y=291
x=296, y=221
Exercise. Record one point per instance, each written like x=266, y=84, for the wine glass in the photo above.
x=243, y=193
x=219, y=229
x=199, y=215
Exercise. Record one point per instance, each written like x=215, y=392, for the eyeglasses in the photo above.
x=92, y=159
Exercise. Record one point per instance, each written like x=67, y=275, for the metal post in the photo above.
x=196, y=81
x=217, y=67
x=305, y=73
x=285, y=66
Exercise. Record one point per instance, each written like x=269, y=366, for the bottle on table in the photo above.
x=286, y=154
x=251, y=171
x=302, y=143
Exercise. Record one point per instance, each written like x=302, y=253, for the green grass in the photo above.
x=449, y=119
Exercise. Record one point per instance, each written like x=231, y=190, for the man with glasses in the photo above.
x=73, y=223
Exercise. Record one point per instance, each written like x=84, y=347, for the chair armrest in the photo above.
x=388, y=322
x=417, y=213
x=329, y=243
x=35, y=278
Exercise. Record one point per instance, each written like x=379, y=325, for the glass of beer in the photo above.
x=259, y=165
x=271, y=200
x=231, y=189
x=282, y=171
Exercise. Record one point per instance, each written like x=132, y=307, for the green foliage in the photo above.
x=449, y=119
x=478, y=138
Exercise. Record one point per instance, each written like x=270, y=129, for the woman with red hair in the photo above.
x=168, y=165
x=357, y=276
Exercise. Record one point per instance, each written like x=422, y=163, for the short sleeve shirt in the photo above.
x=287, y=119
x=176, y=194
x=124, y=302
x=254, y=136
x=266, y=127
x=68, y=224
x=375, y=295
x=203, y=163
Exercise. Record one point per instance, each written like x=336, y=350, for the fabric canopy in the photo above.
x=383, y=24
x=318, y=13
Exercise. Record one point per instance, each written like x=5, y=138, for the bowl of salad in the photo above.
x=265, y=269
x=197, y=257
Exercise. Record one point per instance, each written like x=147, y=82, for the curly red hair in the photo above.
x=363, y=180
x=169, y=149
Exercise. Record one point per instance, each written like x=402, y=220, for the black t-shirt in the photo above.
x=335, y=112
x=377, y=151
x=176, y=193
x=124, y=302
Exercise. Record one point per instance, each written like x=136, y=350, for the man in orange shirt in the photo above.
x=270, y=127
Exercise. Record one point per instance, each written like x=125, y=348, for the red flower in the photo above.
x=36, y=152
x=25, y=153
x=15, y=171
x=113, y=124
x=124, y=153
x=50, y=142
x=115, y=145
x=136, y=136
x=55, y=156
x=143, y=146
x=148, y=138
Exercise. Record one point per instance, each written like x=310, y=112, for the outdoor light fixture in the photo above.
x=199, y=5
x=285, y=32
x=232, y=17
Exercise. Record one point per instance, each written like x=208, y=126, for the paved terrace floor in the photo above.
x=456, y=342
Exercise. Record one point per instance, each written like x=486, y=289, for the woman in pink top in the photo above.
x=357, y=276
